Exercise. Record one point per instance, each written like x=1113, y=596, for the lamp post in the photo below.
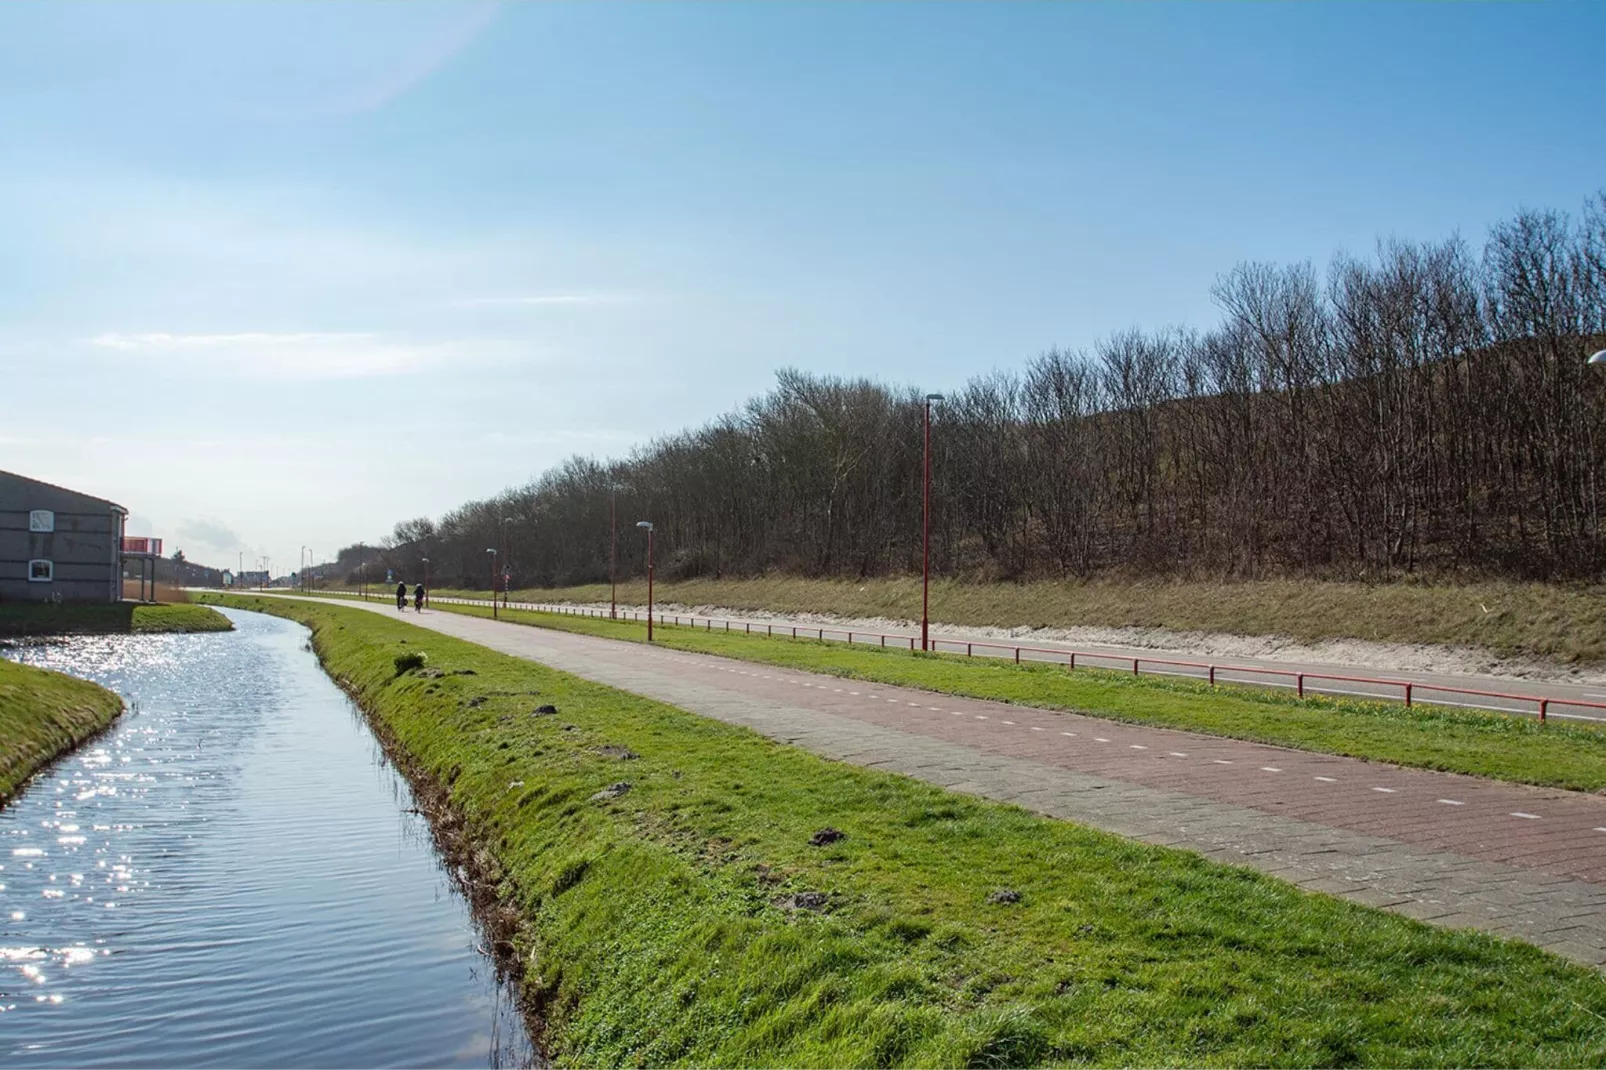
x=492, y=551
x=506, y=520
x=613, y=552
x=301, y=567
x=648, y=525
x=925, y=539
x=426, y=581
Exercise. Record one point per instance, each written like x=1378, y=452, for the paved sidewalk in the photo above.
x=1451, y=850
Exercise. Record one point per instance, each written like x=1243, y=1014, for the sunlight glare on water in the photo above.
x=231, y=877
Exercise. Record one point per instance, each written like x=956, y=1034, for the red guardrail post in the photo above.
x=967, y=650
x=1300, y=678
x=1544, y=706
x=1407, y=694
x=911, y=644
x=1073, y=659
x=1017, y=655
x=1134, y=666
x=1212, y=676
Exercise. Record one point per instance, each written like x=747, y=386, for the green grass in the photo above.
x=1501, y=747
x=653, y=936
x=45, y=618
x=43, y=714
x=1555, y=622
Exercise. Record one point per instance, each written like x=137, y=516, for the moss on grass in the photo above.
x=45, y=618
x=662, y=926
x=44, y=714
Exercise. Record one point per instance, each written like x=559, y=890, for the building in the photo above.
x=57, y=545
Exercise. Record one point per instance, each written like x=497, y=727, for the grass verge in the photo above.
x=42, y=715
x=1497, y=746
x=664, y=923
x=1560, y=623
x=45, y=618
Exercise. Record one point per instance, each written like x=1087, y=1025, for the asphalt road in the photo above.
x=1507, y=694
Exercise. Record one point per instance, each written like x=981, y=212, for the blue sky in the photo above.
x=282, y=274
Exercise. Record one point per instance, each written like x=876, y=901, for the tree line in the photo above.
x=1424, y=409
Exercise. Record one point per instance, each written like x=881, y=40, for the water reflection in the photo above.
x=232, y=877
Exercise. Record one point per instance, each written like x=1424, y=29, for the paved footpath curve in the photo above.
x=1451, y=850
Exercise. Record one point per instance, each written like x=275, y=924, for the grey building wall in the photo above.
x=83, y=550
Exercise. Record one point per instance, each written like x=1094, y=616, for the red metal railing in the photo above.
x=1385, y=688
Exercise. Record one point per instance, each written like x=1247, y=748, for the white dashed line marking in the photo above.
x=1221, y=761
x=1599, y=829
x=853, y=692
x=1100, y=739
x=1036, y=729
x=1067, y=733
x=1386, y=791
x=1328, y=779
x=1178, y=754
x=1525, y=817
x=981, y=717
x=1270, y=769
x=1009, y=722
x=1137, y=746
x=1452, y=802
x=933, y=709
x=958, y=713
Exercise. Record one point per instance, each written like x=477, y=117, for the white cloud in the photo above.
x=301, y=355
x=547, y=300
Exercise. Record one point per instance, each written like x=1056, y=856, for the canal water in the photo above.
x=232, y=877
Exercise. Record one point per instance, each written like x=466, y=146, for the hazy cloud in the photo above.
x=548, y=300
x=301, y=355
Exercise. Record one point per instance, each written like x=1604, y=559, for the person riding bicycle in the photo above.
x=418, y=598
x=401, y=596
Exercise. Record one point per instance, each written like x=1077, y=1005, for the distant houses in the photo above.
x=58, y=545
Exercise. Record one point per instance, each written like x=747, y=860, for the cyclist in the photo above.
x=401, y=596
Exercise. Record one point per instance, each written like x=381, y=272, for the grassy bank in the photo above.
x=1559, y=754
x=672, y=922
x=1564, y=624
x=35, y=618
x=44, y=714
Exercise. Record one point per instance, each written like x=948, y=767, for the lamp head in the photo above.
x=935, y=397
x=1598, y=360
x=646, y=524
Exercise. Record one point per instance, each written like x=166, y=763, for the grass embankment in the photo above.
x=44, y=618
x=1565, y=624
x=42, y=715
x=1501, y=747
x=662, y=926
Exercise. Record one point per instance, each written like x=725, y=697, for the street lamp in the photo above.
x=613, y=552
x=925, y=540
x=301, y=567
x=1598, y=360
x=648, y=525
x=492, y=551
x=426, y=580
x=506, y=520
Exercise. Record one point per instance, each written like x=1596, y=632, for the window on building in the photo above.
x=41, y=571
x=41, y=520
